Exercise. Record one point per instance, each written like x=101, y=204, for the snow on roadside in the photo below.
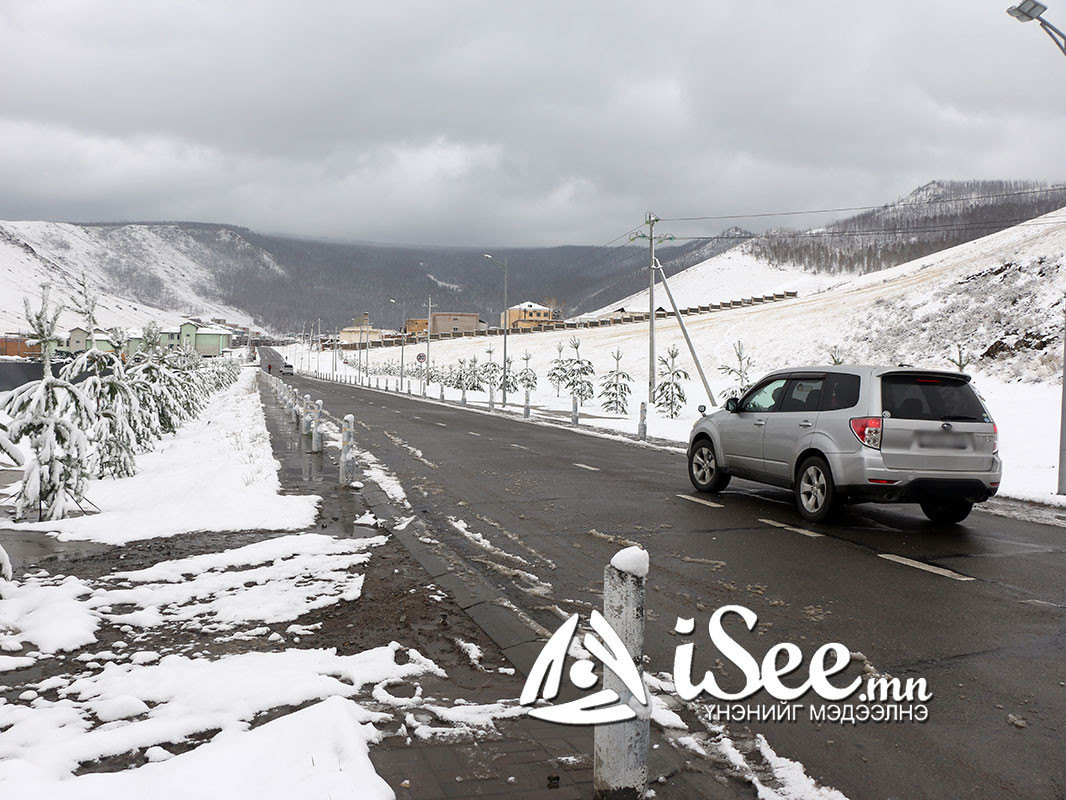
x=183, y=697
x=319, y=751
x=217, y=473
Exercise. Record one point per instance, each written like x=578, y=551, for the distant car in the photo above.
x=286, y=369
x=851, y=434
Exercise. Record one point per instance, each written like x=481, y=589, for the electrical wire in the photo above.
x=887, y=206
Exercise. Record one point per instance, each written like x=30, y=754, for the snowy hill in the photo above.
x=142, y=272
x=732, y=275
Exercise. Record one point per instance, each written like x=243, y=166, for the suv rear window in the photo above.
x=937, y=397
x=841, y=391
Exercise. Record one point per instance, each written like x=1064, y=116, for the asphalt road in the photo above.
x=986, y=630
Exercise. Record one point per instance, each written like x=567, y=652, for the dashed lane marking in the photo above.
x=586, y=466
x=700, y=500
x=520, y=446
x=787, y=527
x=441, y=424
x=473, y=434
x=947, y=573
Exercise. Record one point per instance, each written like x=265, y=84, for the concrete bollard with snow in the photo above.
x=347, y=457
x=620, y=766
x=525, y=407
x=316, y=428
x=642, y=426
x=442, y=392
x=573, y=410
x=492, y=398
x=305, y=416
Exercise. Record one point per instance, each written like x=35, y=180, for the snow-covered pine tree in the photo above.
x=739, y=373
x=615, y=389
x=669, y=395
x=54, y=418
x=579, y=374
x=491, y=371
x=84, y=302
x=527, y=378
x=474, y=381
x=559, y=373
x=117, y=411
x=509, y=380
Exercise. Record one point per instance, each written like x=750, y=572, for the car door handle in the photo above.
x=759, y=423
x=806, y=424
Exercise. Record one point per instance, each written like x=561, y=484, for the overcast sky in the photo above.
x=522, y=123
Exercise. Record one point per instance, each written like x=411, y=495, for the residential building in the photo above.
x=448, y=322
x=525, y=315
x=205, y=340
x=17, y=344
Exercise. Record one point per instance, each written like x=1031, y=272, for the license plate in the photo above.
x=942, y=441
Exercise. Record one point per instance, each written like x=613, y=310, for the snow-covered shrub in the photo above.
x=117, y=411
x=559, y=373
x=579, y=374
x=669, y=395
x=615, y=389
x=739, y=373
x=54, y=419
x=527, y=378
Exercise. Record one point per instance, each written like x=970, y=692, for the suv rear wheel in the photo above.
x=816, y=494
x=947, y=511
x=703, y=469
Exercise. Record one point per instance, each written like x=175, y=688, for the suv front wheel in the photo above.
x=816, y=495
x=703, y=469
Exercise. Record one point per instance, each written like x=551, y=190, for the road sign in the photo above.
x=421, y=358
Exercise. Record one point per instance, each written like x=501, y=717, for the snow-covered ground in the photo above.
x=999, y=297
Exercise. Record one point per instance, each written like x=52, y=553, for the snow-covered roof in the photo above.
x=530, y=306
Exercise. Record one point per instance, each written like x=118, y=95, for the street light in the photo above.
x=506, y=321
x=1030, y=11
x=403, y=334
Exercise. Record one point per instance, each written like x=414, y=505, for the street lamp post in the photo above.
x=650, y=221
x=506, y=321
x=1031, y=11
x=403, y=333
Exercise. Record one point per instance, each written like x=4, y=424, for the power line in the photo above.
x=885, y=206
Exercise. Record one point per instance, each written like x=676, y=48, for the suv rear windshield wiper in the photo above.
x=959, y=418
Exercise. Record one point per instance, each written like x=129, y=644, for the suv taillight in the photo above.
x=995, y=438
x=868, y=431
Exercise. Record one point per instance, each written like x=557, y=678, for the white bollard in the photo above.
x=409, y=387
x=620, y=765
x=305, y=416
x=347, y=457
x=573, y=410
x=463, y=400
x=642, y=426
x=525, y=407
x=442, y=392
x=492, y=398
x=316, y=429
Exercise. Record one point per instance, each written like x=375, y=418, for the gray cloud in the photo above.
x=510, y=123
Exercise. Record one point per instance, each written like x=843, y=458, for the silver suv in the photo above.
x=849, y=434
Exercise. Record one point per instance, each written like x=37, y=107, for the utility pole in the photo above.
x=506, y=320
x=650, y=221
x=429, y=332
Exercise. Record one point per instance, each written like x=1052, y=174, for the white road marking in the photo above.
x=473, y=434
x=947, y=573
x=520, y=446
x=586, y=466
x=787, y=527
x=441, y=424
x=700, y=500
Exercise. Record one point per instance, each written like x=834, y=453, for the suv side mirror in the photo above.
x=701, y=408
x=731, y=405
